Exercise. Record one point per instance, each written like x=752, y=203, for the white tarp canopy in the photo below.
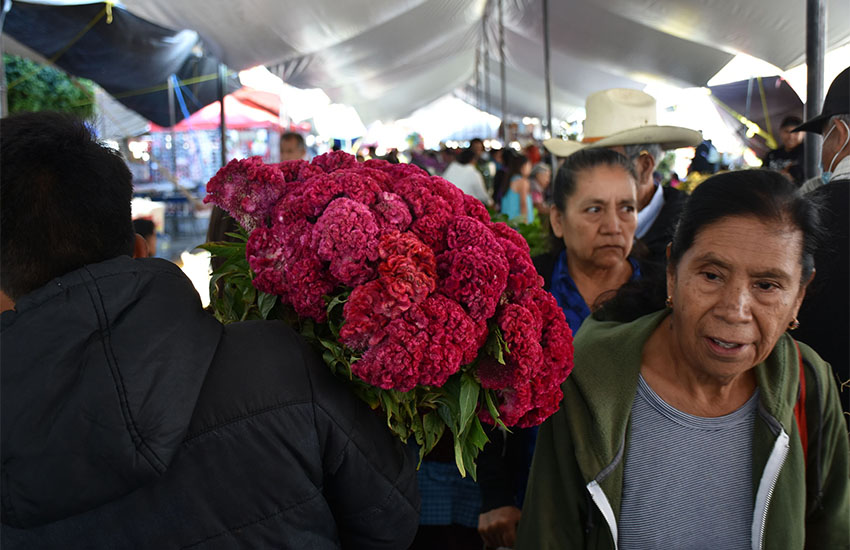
x=389, y=57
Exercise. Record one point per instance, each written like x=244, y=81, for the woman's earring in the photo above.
x=669, y=302
x=794, y=325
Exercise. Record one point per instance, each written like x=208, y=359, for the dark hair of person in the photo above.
x=476, y=140
x=513, y=163
x=763, y=194
x=466, y=156
x=143, y=227
x=585, y=159
x=65, y=200
x=286, y=136
x=791, y=120
x=567, y=178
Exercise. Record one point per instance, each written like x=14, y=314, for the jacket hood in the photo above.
x=101, y=370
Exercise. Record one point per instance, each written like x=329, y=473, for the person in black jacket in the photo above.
x=133, y=419
x=825, y=315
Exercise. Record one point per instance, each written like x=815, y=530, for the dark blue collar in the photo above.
x=564, y=290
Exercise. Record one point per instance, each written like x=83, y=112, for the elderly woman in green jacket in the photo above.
x=704, y=424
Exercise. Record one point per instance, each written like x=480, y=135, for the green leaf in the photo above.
x=224, y=249
x=491, y=407
x=265, y=303
x=433, y=427
x=495, y=346
x=468, y=399
x=459, y=458
x=476, y=435
x=241, y=235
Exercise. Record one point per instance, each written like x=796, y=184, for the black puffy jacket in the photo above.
x=133, y=419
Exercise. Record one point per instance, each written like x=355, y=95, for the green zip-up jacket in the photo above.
x=576, y=484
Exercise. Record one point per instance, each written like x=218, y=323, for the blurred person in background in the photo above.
x=541, y=177
x=146, y=229
x=466, y=177
x=788, y=159
x=292, y=146
x=516, y=202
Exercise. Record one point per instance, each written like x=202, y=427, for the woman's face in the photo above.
x=543, y=178
x=599, y=219
x=526, y=169
x=734, y=291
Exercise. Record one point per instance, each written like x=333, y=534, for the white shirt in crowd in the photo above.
x=468, y=179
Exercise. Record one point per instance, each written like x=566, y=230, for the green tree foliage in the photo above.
x=32, y=86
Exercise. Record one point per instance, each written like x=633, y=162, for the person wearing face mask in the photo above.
x=825, y=316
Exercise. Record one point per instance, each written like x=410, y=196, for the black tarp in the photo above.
x=129, y=57
x=780, y=101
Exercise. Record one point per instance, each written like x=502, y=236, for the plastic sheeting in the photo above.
x=128, y=56
x=389, y=57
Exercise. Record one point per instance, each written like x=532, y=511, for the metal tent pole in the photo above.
x=548, y=75
x=222, y=76
x=815, y=46
x=504, y=135
x=486, y=59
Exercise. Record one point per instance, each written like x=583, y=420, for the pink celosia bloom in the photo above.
x=266, y=255
x=474, y=208
x=522, y=273
x=504, y=231
x=346, y=236
x=474, y=278
x=392, y=212
x=464, y=231
x=247, y=189
x=424, y=346
x=335, y=160
x=426, y=268
x=357, y=185
x=291, y=169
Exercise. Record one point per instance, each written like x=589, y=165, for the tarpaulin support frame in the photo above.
x=815, y=47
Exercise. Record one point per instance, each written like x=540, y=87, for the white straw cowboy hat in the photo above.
x=621, y=116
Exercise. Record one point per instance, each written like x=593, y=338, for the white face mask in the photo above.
x=827, y=175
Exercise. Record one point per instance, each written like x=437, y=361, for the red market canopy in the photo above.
x=238, y=115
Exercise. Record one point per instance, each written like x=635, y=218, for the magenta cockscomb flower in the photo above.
x=403, y=279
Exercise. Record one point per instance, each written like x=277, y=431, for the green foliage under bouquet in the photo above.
x=434, y=314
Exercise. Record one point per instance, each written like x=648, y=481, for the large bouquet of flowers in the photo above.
x=436, y=315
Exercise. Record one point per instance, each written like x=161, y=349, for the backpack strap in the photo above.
x=800, y=408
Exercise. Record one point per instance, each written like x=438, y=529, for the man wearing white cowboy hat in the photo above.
x=625, y=120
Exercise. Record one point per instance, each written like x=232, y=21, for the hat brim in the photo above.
x=813, y=125
x=563, y=147
x=668, y=137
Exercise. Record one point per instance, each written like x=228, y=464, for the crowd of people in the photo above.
x=703, y=410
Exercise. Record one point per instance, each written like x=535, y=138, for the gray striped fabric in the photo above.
x=687, y=480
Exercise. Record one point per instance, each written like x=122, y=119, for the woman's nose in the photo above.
x=611, y=223
x=734, y=303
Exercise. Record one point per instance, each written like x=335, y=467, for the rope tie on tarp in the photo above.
x=106, y=11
